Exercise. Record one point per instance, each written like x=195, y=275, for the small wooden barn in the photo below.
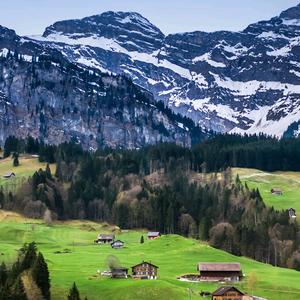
x=119, y=272
x=153, y=235
x=117, y=244
x=227, y=293
x=220, y=272
x=144, y=270
x=276, y=192
x=105, y=239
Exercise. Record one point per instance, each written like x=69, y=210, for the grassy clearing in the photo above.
x=173, y=254
x=288, y=182
x=28, y=165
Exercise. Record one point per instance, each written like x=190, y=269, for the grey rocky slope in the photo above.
x=43, y=95
x=246, y=81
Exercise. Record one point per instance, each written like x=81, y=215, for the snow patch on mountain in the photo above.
x=207, y=58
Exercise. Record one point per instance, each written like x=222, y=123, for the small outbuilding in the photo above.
x=144, y=270
x=105, y=239
x=153, y=235
x=117, y=244
x=276, y=192
x=9, y=175
x=227, y=293
x=119, y=272
x=220, y=272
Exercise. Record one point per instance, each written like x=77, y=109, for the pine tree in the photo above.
x=74, y=293
x=40, y=274
x=29, y=252
x=48, y=172
x=16, y=159
x=3, y=275
x=142, y=239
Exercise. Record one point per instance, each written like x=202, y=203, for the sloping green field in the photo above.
x=173, y=254
x=28, y=165
x=287, y=182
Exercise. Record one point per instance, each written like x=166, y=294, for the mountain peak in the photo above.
x=129, y=19
x=98, y=24
x=291, y=13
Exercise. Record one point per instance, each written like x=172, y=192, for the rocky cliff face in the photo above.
x=43, y=95
x=226, y=81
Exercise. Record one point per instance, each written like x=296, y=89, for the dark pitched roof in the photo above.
x=224, y=289
x=219, y=267
x=106, y=236
x=117, y=241
x=145, y=262
x=119, y=269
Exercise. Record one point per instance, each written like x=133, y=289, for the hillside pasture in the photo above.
x=72, y=256
x=287, y=182
x=28, y=165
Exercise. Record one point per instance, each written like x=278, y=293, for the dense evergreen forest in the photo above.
x=170, y=189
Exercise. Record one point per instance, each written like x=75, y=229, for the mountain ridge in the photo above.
x=241, y=82
x=222, y=80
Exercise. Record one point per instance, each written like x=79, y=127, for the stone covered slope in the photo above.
x=43, y=95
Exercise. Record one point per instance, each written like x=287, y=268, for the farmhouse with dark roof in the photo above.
x=220, y=271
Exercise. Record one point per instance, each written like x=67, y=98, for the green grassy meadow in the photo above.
x=288, y=182
x=28, y=165
x=173, y=254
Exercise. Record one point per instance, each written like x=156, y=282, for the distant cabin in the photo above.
x=105, y=239
x=276, y=191
x=119, y=272
x=144, y=270
x=153, y=235
x=9, y=175
x=227, y=293
x=220, y=272
x=292, y=213
x=117, y=244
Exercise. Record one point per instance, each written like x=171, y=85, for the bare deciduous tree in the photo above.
x=48, y=217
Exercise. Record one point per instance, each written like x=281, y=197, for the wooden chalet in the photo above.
x=9, y=175
x=227, y=293
x=220, y=272
x=292, y=213
x=119, y=272
x=144, y=270
x=117, y=244
x=105, y=239
x=276, y=191
x=153, y=235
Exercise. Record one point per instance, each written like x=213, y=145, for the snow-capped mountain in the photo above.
x=246, y=81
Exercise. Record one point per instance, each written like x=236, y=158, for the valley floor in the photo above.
x=173, y=254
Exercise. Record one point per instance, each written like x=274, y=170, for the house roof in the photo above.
x=219, y=267
x=145, y=262
x=153, y=233
x=9, y=174
x=224, y=289
x=119, y=269
x=117, y=241
x=104, y=236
